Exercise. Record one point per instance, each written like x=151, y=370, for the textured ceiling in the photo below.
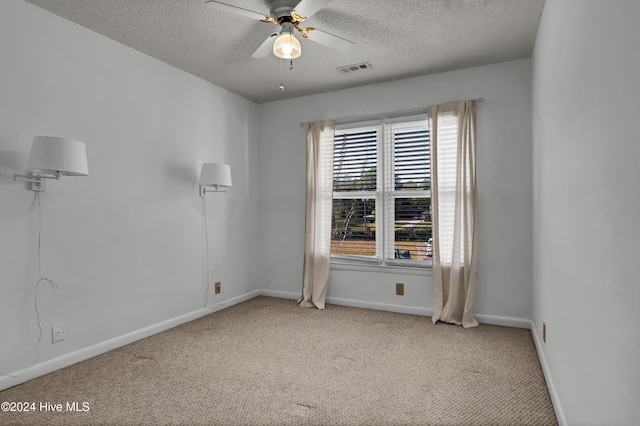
x=398, y=38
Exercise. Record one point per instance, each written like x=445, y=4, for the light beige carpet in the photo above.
x=269, y=362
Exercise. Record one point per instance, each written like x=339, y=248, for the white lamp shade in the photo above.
x=58, y=155
x=287, y=46
x=215, y=174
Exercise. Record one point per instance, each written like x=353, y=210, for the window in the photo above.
x=382, y=193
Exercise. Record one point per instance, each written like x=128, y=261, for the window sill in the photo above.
x=345, y=265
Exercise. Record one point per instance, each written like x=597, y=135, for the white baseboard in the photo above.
x=389, y=307
x=562, y=421
x=403, y=309
x=280, y=294
x=51, y=365
x=413, y=310
x=504, y=321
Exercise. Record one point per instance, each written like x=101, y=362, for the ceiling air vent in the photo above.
x=355, y=67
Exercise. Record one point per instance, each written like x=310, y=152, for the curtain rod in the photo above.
x=385, y=116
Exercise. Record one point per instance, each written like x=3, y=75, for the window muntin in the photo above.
x=383, y=217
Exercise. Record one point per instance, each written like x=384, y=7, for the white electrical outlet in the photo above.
x=57, y=333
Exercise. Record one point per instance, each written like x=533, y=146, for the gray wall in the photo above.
x=504, y=181
x=125, y=244
x=586, y=179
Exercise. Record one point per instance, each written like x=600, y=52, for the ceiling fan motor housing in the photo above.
x=281, y=8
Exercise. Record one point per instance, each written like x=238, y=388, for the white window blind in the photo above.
x=355, y=160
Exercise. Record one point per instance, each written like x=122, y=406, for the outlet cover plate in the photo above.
x=57, y=333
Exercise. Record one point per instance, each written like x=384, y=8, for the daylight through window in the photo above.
x=382, y=193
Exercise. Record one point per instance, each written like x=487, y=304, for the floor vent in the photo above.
x=355, y=67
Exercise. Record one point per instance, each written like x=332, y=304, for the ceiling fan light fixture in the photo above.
x=287, y=46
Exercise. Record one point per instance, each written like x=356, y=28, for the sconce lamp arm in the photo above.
x=210, y=188
x=36, y=177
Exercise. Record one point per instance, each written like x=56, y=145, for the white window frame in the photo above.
x=384, y=195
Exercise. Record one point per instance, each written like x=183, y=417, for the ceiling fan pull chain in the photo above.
x=281, y=87
x=291, y=65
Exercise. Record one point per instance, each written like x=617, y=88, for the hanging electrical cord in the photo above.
x=206, y=238
x=42, y=278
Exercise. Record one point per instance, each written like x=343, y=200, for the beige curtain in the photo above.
x=454, y=211
x=317, y=244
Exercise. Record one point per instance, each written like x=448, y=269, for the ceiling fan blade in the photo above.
x=234, y=9
x=330, y=40
x=306, y=8
x=265, y=48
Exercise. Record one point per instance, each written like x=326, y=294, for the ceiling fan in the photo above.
x=289, y=14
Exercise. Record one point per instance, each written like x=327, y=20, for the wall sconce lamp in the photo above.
x=51, y=158
x=214, y=176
